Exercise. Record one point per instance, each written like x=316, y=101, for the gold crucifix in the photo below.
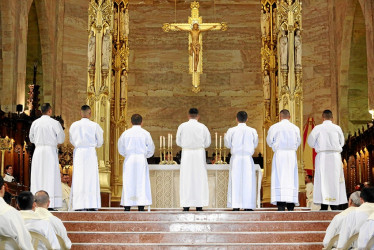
x=195, y=27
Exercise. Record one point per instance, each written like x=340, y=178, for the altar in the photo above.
x=165, y=185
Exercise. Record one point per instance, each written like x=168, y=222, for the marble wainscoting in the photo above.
x=165, y=185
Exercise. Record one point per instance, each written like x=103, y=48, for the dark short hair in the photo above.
x=1, y=182
x=45, y=107
x=242, y=116
x=327, y=114
x=136, y=119
x=8, y=166
x=85, y=108
x=284, y=113
x=309, y=177
x=367, y=194
x=25, y=200
x=193, y=112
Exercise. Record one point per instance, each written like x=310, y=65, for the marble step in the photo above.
x=195, y=216
x=223, y=246
x=195, y=238
x=167, y=226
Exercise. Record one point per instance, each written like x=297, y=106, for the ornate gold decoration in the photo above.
x=118, y=97
x=289, y=22
x=98, y=86
x=270, y=79
x=195, y=27
x=5, y=144
x=282, y=73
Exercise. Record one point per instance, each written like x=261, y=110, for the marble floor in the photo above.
x=111, y=228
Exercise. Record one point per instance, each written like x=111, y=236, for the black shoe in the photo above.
x=334, y=207
x=281, y=206
x=141, y=208
x=127, y=208
x=199, y=209
x=290, y=206
x=186, y=209
x=91, y=209
x=324, y=207
x=235, y=209
x=52, y=209
x=247, y=209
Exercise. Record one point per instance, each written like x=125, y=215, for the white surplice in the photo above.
x=35, y=223
x=193, y=137
x=329, y=185
x=309, y=187
x=284, y=138
x=12, y=225
x=136, y=145
x=46, y=133
x=66, y=190
x=336, y=225
x=85, y=136
x=56, y=223
x=353, y=222
x=366, y=233
x=9, y=178
x=242, y=140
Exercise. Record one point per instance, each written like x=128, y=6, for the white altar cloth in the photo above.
x=165, y=185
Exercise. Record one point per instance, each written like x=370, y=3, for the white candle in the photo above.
x=171, y=141
x=216, y=141
x=160, y=141
x=168, y=141
x=220, y=141
x=163, y=138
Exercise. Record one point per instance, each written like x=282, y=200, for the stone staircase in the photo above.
x=217, y=229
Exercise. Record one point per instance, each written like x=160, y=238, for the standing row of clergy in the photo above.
x=136, y=144
x=85, y=135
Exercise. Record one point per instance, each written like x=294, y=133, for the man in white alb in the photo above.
x=8, y=177
x=193, y=137
x=336, y=223
x=34, y=222
x=12, y=224
x=284, y=138
x=85, y=136
x=366, y=233
x=42, y=204
x=46, y=133
x=66, y=191
x=357, y=218
x=242, y=140
x=329, y=185
x=136, y=145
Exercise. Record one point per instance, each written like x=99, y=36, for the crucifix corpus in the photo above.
x=195, y=27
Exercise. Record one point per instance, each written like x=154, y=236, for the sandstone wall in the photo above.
x=159, y=83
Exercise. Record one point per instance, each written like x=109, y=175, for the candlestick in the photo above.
x=216, y=141
x=171, y=141
x=220, y=141
x=160, y=141
x=164, y=141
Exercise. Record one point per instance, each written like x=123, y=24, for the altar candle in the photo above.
x=171, y=141
x=164, y=140
x=220, y=141
x=216, y=141
x=160, y=141
x=168, y=141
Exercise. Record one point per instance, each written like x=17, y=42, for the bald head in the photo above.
x=42, y=199
x=85, y=111
x=284, y=114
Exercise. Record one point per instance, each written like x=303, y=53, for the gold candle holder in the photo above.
x=219, y=149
